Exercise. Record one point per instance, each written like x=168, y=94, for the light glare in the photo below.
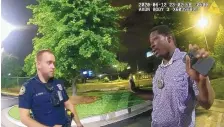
x=203, y=22
x=6, y=28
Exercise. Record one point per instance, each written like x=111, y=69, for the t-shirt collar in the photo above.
x=176, y=56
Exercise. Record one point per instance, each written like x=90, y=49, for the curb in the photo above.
x=112, y=117
x=9, y=94
x=101, y=120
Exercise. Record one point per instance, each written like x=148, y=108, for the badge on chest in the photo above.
x=160, y=83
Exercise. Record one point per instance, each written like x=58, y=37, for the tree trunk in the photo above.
x=74, y=87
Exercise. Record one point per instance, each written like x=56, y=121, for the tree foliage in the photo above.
x=219, y=50
x=121, y=66
x=83, y=34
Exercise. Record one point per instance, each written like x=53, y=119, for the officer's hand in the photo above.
x=57, y=125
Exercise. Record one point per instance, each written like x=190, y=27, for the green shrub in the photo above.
x=106, y=79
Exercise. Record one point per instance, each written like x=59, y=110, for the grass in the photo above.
x=218, y=86
x=112, y=86
x=107, y=102
x=14, y=112
x=94, y=86
x=212, y=116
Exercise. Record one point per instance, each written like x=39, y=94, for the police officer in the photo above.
x=45, y=96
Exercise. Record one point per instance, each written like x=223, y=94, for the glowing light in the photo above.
x=202, y=22
x=84, y=72
x=6, y=29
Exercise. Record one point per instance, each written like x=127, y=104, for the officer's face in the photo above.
x=159, y=44
x=46, y=64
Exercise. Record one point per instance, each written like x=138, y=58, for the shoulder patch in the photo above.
x=22, y=90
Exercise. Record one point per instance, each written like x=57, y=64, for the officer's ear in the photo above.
x=37, y=63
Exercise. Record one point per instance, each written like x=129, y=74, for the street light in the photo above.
x=116, y=66
x=84, y=72
x=128, y=67
x=6, y=29
x=202, y=23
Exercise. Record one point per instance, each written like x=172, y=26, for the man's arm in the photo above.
x=25, y=118
x=206, y=94
x=70, y=106
x=146, y=94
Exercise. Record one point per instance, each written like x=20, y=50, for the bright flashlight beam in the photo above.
x=6, y=28
x=203, y=22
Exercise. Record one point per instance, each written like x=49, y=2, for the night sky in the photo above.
x=19, y=42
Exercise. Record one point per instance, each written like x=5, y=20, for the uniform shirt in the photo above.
x=34, y=96
x=174, y=104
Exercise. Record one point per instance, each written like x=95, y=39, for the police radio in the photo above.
x=54, y=98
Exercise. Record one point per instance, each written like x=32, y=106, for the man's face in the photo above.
x=159, y=44
x=46, y=64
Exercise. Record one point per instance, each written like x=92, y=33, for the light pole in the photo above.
x=6, y=54
x=129, y=68
x=116, y=66
x=202, y=23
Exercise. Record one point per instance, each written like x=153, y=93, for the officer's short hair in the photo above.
x=163, y=30
x=40, y=53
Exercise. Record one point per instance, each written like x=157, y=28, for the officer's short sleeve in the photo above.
x=25, y=96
